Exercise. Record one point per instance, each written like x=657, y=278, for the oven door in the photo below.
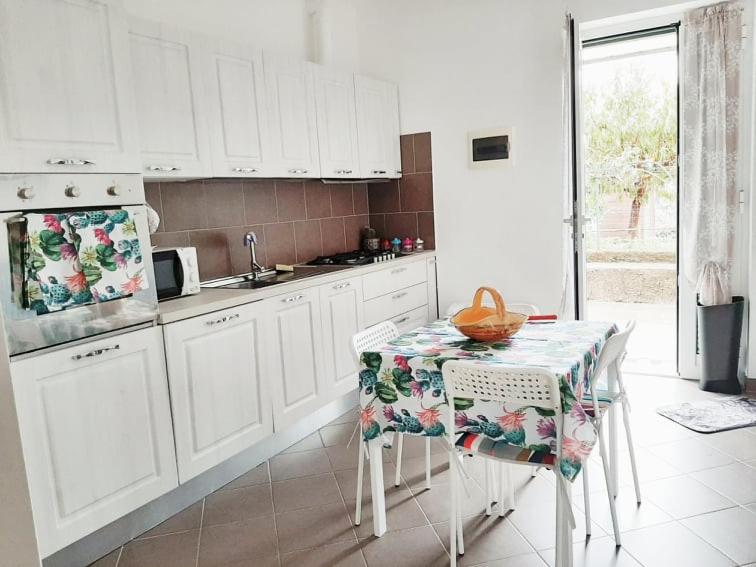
x=169, y=273
x=26, y=332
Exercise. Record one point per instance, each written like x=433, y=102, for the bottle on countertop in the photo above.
x=396, y=245
x=419, y=244
x=386, y=245
x=407, y=245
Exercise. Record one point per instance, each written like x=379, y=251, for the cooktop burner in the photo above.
x=355, y=258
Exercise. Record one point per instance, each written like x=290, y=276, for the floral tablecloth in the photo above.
x=402, y=389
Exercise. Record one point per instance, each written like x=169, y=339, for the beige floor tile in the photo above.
x=598, y=552
x=527, y=560
x=752, y=508
x=649, y=428
x=188, y=519
x=435, y=502
x=405, y=548
x=738, y=443
x=690, y=455
x=347, y=481
x=249, y=541
x=305, y=492
x=344, y=458
x=346, y=554
x=630, y=514
x=736, y=481
x=672, y=545
x=338, y=434
x=731, y=531
x=297, y=465
x=226, y=506
x=174, y=550
x=110, y=560
x=487, y=538
x=313, y=527
x=350, y=416
x=402, y=512
x=258, y=475
x=309, y=443
x=413, y=471
x=414, y=446
x=683, y=496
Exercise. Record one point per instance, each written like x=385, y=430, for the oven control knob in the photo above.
x=25, y=193
x=114, y=190
x=73, y=191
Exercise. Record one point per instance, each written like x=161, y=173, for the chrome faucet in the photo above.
x=250, y=240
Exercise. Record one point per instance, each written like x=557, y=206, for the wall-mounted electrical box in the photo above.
x=490, y=148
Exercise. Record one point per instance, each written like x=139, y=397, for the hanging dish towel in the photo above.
x=109, y=253
x=52, y=275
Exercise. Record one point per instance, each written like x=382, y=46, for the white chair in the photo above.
x=370, y=339
x=532, y=386
x=524, y=308
x=596, y=404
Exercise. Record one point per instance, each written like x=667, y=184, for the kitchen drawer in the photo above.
x=411, y=320
x=393, y=304
x=393, y=279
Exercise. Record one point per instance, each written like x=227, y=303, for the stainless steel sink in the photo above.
x=248, y=281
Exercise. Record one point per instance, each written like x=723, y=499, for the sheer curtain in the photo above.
x=710, y=52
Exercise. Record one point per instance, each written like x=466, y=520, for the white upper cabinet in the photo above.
x=66, y=102
x=377, y=127
x=168, y=74
x=337, y=123
x=291, y=111
x=237, y=110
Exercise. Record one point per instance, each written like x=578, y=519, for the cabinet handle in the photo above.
x=298, y=171
x=398, y=270
x=69, y=161
x=402, y=320
x=163, y=168
x=399, y=295
x=342, y=285
x=342, y=171
x=225, y=319
x=379, y=172
x=399, y=171
x=97, y=352
x=245, y=170
x=292, y=298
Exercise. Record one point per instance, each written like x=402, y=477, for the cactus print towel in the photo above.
x=402, y=389
x=73, y=259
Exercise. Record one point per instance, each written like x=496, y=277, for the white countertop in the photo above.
x=215, y=299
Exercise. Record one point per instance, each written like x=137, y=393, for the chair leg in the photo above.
x=460, y=507
x=631, y=450
x=489, y=483
x=609, y=485
x=535, y=472
x=428, y=463
x=586, y=499
x=399, y=447
x=360, y=475
x=506, y=487
x=453, y=503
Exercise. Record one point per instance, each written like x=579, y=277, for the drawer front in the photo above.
x=393, y=279
x=411, y=320
x=396, y=303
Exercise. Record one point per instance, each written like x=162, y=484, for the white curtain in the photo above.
x=710, y=51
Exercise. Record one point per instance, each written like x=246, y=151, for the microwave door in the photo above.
x=169, y=273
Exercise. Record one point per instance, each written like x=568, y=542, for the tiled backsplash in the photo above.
x=404, y=207
x=295, y=221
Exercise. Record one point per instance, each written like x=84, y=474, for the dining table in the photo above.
x=401, y=390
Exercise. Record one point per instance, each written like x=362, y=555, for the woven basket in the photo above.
x=487, y=324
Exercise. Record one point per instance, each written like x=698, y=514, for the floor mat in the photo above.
x=712, y=416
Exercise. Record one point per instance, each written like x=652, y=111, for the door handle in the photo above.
x=163, y=168
x=96, y=352
x=69, y=161
x=225, y=319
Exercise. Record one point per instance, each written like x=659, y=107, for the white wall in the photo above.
x=465, y=66
x=278, y=25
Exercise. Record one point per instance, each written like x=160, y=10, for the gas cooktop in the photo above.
x=355, y=258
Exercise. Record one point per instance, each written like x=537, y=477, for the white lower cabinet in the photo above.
x=219, y=388
x=342, y=313
x=295, y=341
x=95, y=426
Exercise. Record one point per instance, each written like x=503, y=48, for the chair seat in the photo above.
x=605, y=400
x=475, y=443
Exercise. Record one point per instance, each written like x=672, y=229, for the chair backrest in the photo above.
x=524, y=308
x=374, y=337
x=614, y=347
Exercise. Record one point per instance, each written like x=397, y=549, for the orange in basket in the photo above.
x=488, y=324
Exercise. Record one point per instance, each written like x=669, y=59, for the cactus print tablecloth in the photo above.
x=402, y=389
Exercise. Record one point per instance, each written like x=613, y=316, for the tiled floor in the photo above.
x=699, y=507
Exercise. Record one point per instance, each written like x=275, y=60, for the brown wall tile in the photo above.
x=223, y=203
x=308, y=240
x=423, y=160
x=317, y=200
x=182, y=206
x=332, y=231
x=170, y=239
x=360, y=198
x=378, y=222
x=279, y=243
x=416, y=192
x=408, y=153
x=426, y=229
x=290, y=196
x=213, y=254
x=341, y=200
x=260, y=201
x=353, y=228
x=401, y=225
x=152, y=194
x=384, y=197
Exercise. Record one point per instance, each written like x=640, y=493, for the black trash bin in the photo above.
x=720, y=328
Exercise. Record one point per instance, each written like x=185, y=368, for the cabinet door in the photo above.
x=66, y=103
x=342, y=312
x=292, y=123
x=392, y=120
x=297, y=380
x=217, y=377
x=237, y=110
x=95, y=426
x=337, y=123
x=375, y=128
x=170, y=107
